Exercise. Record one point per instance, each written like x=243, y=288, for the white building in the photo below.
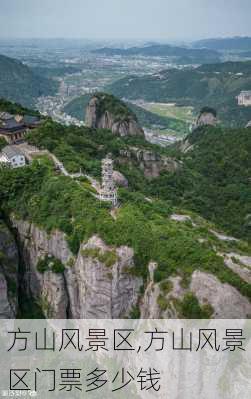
x=244, y=98
x=12, y=156
x=108, y=190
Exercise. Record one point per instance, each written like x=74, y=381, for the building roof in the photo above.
x=31, y=120
x=246, y=92
x=11, y=124
x=4, y=116
x=11, y=151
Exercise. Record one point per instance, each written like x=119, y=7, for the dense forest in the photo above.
x=20, y=84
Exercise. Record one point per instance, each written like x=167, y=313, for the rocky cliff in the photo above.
x=96, y=283
x=207, y=117
x=9, y=262
x=107, y=112
x=151, y=163
x=99, y=282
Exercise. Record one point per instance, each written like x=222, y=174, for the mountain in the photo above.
x=215, y=85
x=231, y=43
x=19, y=83
x=77, y=109
x=104, y=111
x=215, y=178
x=165, y=252
x=227, y=67
x=184, y=55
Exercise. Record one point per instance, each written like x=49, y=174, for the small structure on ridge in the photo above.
x=108, y=190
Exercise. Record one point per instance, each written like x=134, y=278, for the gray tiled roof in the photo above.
x=12, y=123
x=30, y=120
x=5, y=116
x=11, y=151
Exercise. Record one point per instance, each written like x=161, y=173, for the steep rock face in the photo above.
x=119, y=179
x=152, y=164
x=207, y=117
x=121, y=122
x=9, y=261
x=225, y=300
x=95, y=284
x=48, y=288
x=100, y=290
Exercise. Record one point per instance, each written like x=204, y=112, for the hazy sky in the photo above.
x=156, y=19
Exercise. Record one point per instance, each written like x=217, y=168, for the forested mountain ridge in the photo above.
x=18, y=83
x=215, y=178
x=231, y=43
x=64, y=230
x=183, y=54
x=77, y=108
x=214, y=85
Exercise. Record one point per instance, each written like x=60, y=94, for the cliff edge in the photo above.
x=105, y=111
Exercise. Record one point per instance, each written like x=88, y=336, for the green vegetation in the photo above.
x=57, y=71
x=57, y=202
x=106, y=257
x=82, y=147
x=189, y=308
x=117, y=108
x=51, y=263
x=155, y=120
x=172, y=111
x=77, y=107
x=3, y=143
x=214, y=180
x=215, y=85
x=135, y=313
x=14, y=108
x=162, y=302
x=18, y=82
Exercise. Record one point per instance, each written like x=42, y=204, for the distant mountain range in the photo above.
x=214, y=85
x=229, y=43
x=184, y=55
x=20, y=84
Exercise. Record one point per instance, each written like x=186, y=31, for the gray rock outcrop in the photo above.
x=151, y=163
x=207, y=117
x=98, y=290
x=89, y=287
x=121, y=123
x=9, y=262
x=119, y=179
x=225, y=300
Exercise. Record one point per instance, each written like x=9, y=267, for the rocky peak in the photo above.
x=105, y=111
x=207, y=117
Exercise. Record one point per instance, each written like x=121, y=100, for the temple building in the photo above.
x=14, y=127
x=12, y=156
x=244, y=98
x=108, y=190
